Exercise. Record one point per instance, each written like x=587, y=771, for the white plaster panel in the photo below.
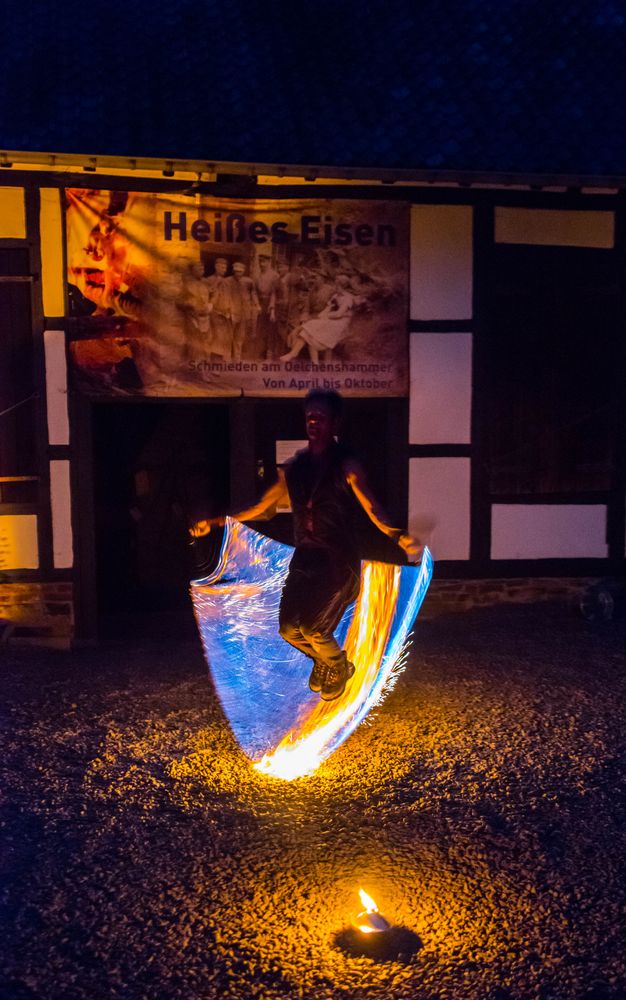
x=441, y=262
x=56, y=387
x=51, y=244
x=555, y=227
x=548, y=531
x=12, y=213
x=61, y=502
x=441, y=388
x=18, y=541
x=439, y=505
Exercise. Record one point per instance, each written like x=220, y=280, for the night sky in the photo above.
x=498, y=85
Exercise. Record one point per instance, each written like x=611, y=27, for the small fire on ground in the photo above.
x=369, y=920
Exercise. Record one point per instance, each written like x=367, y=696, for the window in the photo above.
x=17, y=387
x=552, y=369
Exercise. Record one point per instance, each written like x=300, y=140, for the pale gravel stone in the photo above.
x=484, y=806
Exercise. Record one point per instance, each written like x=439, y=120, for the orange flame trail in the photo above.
x=365, y=645
x=262, y=681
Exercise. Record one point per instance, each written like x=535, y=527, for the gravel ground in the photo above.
x=484, y=807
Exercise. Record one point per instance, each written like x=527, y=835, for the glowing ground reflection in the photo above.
x=262, y=682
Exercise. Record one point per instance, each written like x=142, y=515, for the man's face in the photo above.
x=263, y=263
x=321, y=425
x=238, y=270
x=220, y=266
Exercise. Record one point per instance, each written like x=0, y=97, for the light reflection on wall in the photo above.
x=262, y=682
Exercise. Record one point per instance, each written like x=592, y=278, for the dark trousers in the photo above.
x=318, y=589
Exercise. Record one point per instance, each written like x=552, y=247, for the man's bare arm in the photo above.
x=355, y=475
x=263, y=509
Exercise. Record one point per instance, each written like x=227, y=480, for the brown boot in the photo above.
x=316, y=678
x=336, y=678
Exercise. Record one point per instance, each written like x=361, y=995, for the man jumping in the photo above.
x=321, y=482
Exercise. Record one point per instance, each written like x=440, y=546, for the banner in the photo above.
x=177, y=295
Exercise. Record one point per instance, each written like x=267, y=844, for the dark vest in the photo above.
x=322, y=502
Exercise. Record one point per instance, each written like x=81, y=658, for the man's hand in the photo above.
x=412, y=546
x=201, y=528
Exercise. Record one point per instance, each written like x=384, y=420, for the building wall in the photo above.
x=451, y=248
x=46, y=524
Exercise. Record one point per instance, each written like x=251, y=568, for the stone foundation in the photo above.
x=37, y=613
x=445, y=596
x=43, y=613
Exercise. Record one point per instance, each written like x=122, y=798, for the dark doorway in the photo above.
x=158, y=468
